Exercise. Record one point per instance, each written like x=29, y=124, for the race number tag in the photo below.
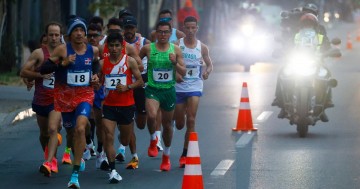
x=49, y=83
x=163, y=75
x=78, y=78
x=112, y=80
x=192, y=72
x=307, y=41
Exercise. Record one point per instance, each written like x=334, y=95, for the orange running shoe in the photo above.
x=54, y=166
x=45, y=168
x=182, y=161
x=152, y=150
x=165, y=163
x=59, y=139
x=66, y=158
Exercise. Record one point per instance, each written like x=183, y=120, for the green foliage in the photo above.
x=7, y=53
x=107, y=7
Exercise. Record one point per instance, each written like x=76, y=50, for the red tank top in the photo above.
x=113, y=73
x=44, y=93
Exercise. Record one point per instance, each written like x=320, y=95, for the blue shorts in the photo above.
x=69, y=118
x=99, y=97
x=42, y=110
x=181, y=97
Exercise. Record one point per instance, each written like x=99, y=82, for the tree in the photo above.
x=107, y=7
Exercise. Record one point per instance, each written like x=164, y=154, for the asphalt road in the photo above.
x=274, y=157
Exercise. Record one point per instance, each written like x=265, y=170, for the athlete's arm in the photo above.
x=180, y=34
x=101, y=50
x=95, y=64
x=153, y=36
x=130, y=50
x=27, y=71
x=179, y=63
x=143, y=52
x=57, y=56
x=207, y=60
x=137, y=74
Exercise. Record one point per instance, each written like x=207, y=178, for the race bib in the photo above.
x=163, y=75
x=112, y=80
x=78, y=78
x=192, y=72
x=49, y=83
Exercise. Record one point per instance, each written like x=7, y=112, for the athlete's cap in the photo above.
x=129, y=21
x=74, y=23
x=125, y=12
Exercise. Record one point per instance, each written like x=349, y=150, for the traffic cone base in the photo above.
x=189, y=184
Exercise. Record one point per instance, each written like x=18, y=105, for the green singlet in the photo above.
x=161, y=72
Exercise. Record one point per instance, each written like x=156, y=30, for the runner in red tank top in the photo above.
x=116, y=73
x=43, y=103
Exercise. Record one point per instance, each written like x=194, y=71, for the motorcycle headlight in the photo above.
x=259, y=43
x=247, y=29
x=237, y=43
x=301, y=64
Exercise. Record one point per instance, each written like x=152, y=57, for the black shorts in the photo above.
x=139, y=97
x=123, y=115
x=42, y=110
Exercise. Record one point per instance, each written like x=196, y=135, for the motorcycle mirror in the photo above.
x=334, y=53
x=336, y=41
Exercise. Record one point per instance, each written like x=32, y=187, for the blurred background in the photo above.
x=22, y=21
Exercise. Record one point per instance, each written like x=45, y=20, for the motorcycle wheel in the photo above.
x=302, y=126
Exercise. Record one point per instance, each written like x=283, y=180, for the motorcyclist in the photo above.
x=290, y=23
x=308, y=35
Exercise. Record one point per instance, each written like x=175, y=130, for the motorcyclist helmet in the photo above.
x=309, y=20
x=311, y=8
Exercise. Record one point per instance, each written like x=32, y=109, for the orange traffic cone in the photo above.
x=193, y=174
x=348, y=42
x=244, y=122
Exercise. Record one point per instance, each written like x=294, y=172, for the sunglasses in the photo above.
x=166, y=19
x=114, y=31
x=93, y=35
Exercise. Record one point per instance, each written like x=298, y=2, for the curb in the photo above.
x=16, y=116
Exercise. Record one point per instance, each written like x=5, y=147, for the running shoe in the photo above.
x=152, y=150
x=99, y=160
x=114, y=177
x=87, y=154
x=59, y=139
x=133, y=164
x=182, y=161
x=45, y=168
x=120, y=154
x=54, y=165
x=74, y=181
x=165, y=163
x=66, y=158
x=82, y=165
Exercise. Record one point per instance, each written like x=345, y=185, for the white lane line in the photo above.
x=264, y=116
x=244, y=139
x=222, y=167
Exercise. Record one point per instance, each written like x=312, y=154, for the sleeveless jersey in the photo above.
x=44, y=93
x=138, y=44
x=72, y=84
x=193, y=61
x=173, y=38
x=115, y=73
x=161, y=72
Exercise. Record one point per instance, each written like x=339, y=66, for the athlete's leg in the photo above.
x=54, y=121
x=179, y=115
x=191, y=110
x=43, y=126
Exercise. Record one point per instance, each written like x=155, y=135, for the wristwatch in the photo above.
x=129, y=87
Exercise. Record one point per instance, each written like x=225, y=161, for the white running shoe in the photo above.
x=114, y=177
x=87, y=154
x=91, y=147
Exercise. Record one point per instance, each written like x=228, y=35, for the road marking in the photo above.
x=264, y=116
x=222, y=167
x=244, y=139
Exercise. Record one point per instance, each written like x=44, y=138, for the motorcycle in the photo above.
x=305, y=85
